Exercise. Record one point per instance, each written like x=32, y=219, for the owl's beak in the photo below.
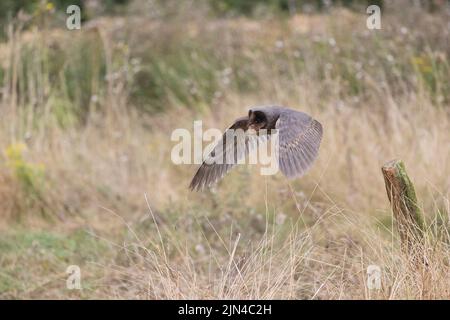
x=255, y=126
x=252, y=124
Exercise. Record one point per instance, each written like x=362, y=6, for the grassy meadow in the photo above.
x=86, y=178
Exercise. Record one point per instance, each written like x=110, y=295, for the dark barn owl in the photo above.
x=299, y=140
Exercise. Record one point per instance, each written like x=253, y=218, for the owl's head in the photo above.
x=257, y=119
x=263, y=117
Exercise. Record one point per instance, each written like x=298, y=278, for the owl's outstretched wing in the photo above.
x=224, y=156
x=299, y=142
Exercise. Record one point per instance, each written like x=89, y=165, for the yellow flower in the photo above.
x=14, y=156
x=422, y=64
x=14, y=151
x=49, y=6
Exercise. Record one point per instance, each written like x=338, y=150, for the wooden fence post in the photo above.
x=402, y=196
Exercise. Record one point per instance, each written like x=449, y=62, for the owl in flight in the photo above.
x=299, y=137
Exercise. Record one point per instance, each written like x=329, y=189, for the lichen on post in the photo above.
x=402, y=196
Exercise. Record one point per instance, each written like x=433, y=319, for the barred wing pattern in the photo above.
x=224, y=156
x=299, y=141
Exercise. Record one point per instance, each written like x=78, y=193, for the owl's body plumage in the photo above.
x=299, y=140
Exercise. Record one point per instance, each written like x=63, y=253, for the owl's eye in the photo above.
x=259, y=117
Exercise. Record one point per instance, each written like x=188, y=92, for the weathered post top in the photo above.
x=402, y=196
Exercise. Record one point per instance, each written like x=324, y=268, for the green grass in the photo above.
x=30, y=259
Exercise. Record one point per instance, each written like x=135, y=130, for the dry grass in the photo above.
x=75, y=193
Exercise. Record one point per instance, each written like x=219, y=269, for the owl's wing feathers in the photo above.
x=224, y=156
x=299, y=141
